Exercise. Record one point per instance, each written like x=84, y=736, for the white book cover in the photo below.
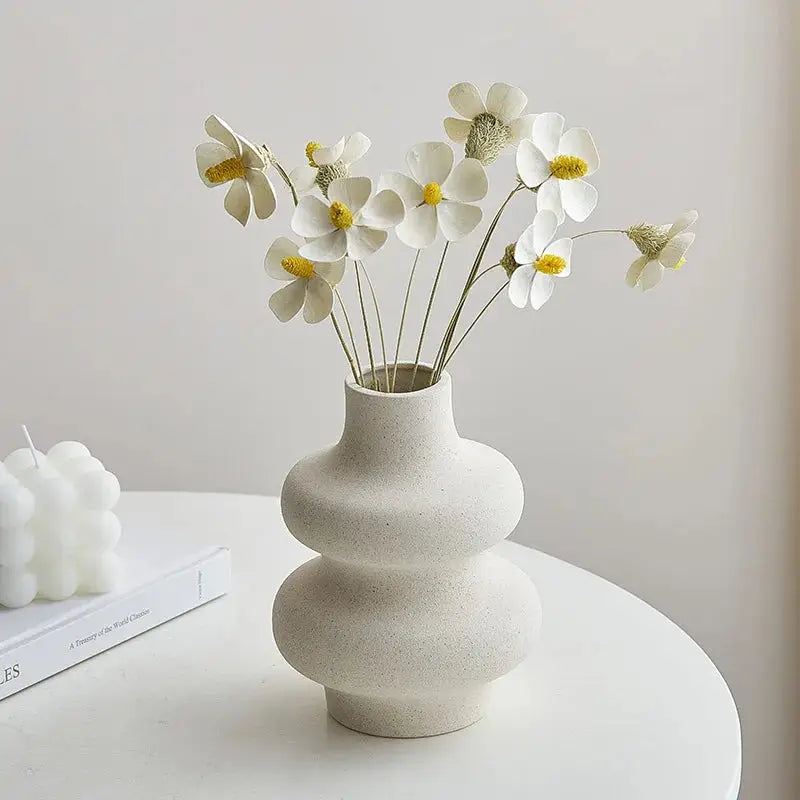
x=164, y=577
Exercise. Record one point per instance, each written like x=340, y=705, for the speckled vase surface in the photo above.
x=406, y=616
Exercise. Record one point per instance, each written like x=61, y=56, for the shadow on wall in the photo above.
x=793, y=267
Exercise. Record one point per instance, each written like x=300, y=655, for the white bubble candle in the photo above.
x=57, y=527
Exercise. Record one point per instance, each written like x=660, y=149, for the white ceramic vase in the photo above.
x=406, y=616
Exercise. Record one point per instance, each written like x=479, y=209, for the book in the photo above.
x=165, y=576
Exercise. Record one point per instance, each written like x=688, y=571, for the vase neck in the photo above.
x=391, y=428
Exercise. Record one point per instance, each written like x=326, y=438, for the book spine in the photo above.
x=121, y=619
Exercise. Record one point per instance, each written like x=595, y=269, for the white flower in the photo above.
x=325, y=164
x=540, y=260
x=353, y=224
x=556, y=162
x=232, y=159
x=487, y=129
x=310, y=287
x=436, y=198
x=661, y=246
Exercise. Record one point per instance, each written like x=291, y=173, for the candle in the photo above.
x=57, y=527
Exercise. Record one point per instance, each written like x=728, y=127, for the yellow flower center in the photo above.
x=299, y=267
x=432, y=194
x=550, y=264
x=310, y=148
x=568, y=168
x=225, y=171
x=680, y=263
x=340, y=215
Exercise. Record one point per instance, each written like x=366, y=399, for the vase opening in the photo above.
x=401, y=383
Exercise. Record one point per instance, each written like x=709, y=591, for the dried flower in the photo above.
x=662, y=246
x=488, y=129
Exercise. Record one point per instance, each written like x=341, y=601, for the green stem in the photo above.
x=366, y=325
x=380, y=323
x=344, y=346
x=474, y=323
x=602, y=230
x=448, y=337
x=441, y=344
x=482, y=273
x=427, y=315
x=352, y=338
x=286, y=179
x=403, y=319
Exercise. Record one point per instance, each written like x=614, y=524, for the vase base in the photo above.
x=407, y=717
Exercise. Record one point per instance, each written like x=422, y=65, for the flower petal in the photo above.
x=362, y=241
x=467, y=182
x=675, y=249
x=635, y=270
x=318, y=300
x=651, y=276
x=684, y=221
x=505, y=101
x=466, y=100
x=541, y=289
x=430, y=162
x=549, y=197
x=563, y=249
x=533, y=166
x=522, y=128
x=525, y=250
x=263, y=192
x=330, y=247
x=209, y=154
x=579, y=142
x=333, y=273
x=286, y=302
x=312, y=218
x=252, y=157
x=218, y=129
x=544, y=229
x=237, y=200
x=303, y=178
x=457, y=129
x=409, y=190
x=281, y=248
x=546, y=132
x=353, y=192
x=355, y=146
x=384, y=210
x=579, y=198
x=456, y=220
x=329, y=155
x=519, y=287
x=419, y=228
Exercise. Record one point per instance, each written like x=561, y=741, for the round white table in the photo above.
x=617, y=703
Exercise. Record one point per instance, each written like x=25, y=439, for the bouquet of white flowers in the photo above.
x=343, y=220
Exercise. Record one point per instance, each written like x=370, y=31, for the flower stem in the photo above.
x=380, y=324
x=441, y=344
x=448, y=336
x=482, y=273
x=350, y=332
x=474, y=323
x=403, y=319
x=366, y=325
x=427, y=315
x=602, y=230
x=286, y=179
x=344, y=347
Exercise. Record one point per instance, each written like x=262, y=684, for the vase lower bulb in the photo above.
x=406, y=652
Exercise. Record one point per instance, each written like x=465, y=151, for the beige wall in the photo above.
x=654, y=433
